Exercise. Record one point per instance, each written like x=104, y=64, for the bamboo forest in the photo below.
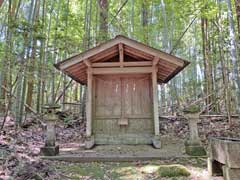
x=145, y=89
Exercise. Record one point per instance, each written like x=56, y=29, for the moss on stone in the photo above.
x=173, y=171
x=78, y=171
x=123, y=171
x=195, y=150
x=192, y=109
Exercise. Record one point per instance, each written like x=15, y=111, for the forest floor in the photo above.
x=19, y=158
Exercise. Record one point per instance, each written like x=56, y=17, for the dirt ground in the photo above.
x=19, y=157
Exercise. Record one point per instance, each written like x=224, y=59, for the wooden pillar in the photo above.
x=89, y=103
x=89, y=99
x=155, y=96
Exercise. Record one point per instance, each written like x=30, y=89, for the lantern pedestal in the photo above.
x=193, y=145
x=50, y=148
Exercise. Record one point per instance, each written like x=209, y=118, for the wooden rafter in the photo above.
x=137, y=53
x=113, y=51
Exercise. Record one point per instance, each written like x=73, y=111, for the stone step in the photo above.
x=109, y=158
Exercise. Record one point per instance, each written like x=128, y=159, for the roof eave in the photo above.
x=177, y=70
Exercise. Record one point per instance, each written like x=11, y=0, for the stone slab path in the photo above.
x=103, y=153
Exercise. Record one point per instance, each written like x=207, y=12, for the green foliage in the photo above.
x=192, y=109
x=173, y=171
x=62, y=28
x=67, y=119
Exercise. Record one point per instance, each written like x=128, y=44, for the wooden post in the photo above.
x=121, y=54
x=89, y=102
x=155, y=96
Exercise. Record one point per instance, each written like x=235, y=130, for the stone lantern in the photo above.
x=193, y=145
x=50, y=148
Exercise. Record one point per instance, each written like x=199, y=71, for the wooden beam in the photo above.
x=124, y=70
x=138, y=63
x=89, y=53
x=111, y=52
x=89, y=103
x=106, y=64
x=136, y=53
x=151, y=51
x=87, y=62
x=156, y=60
x=125, y=64
x=121, y=54
x=155, y=101
x=108, y=57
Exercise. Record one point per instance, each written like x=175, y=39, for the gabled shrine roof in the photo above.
x=76, y=67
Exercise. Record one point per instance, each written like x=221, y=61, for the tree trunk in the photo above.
x=54, y=56
x=76, y=92
x=165, y=37
x=6, y=62
x=41, y=60
x=145, y=21
x=207, y=64
x=132, y=19
x=223, y=65
x=103, y=13
x=233, y=53
x=237, y=5
x=65, y=55
x=30, y=77
x=1, y=2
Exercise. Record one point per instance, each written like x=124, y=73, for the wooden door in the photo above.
x=122, y=109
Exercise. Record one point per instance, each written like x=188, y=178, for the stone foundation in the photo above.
x=89, y=142
x=49, y=150
x=130, y=139
x=157, y=142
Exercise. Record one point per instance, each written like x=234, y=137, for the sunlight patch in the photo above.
x=149, y=169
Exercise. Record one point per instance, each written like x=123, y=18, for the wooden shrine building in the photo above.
x=122, y=101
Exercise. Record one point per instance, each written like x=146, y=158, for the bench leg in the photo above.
x=231, y=173
x=214, y=168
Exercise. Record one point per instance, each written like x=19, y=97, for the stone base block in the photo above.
x=195, y=150
x=49, y=150
x=89, y=142
x=156, y=142
x=231, y=173
x=130, y=139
